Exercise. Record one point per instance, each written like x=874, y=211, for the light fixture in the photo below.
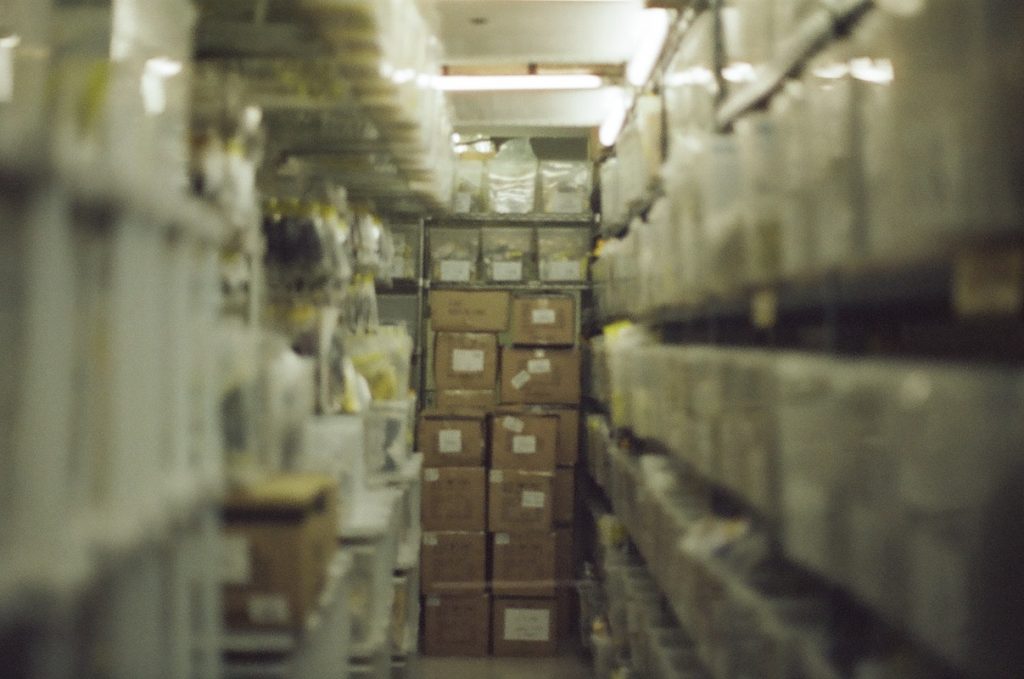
x=612, y=126
x=506, y=83
x=654, y=29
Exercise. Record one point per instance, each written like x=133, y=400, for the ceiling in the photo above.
x=513, y=34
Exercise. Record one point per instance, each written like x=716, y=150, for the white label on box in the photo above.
x=430, y=540
x=539, y=366
x=502, y=539
x=507, y=271
x=542, y=316
x=449, y=441
x=562, y=271
x=433, y=601
x=431, y=475
x=455, y=270
x=524, y=445
x=268, y=609
x=533, y=499
x=236, y=568
x=468, y=360
x=497, y=476
x=527, y=624
x=513, y=424
x=520, y=380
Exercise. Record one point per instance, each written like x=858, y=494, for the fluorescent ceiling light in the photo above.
x=612, y=126
x=654, y=30
x=505, y=83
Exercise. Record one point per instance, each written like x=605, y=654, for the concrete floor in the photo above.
x=563, y=667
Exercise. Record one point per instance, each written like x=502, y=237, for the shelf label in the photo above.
x=513, y=424
x=430, y=540
x=502, y=539
x=538, y=366
x=542, y=316
x=989, y=283
x=496, y=476
x=527, y=624
x=561, y=271
x=456, y=270
x=507, y=271
x=524, y=445
x=468, y=360
x=449, y=441
x=431, y=475
x=268, y=609
x=520, y=380
x=533, y=499
x=236, y=568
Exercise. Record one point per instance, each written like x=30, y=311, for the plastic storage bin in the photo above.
x=508, y=254
x=565, y=186
x=512, y=178
x=454, y=255
x=563, y=254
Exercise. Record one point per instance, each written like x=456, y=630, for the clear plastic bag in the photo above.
x=508, y=254
x=565, y=186
x=563, y=253
x=512, y=175
x=469, y=195
x=454, y=254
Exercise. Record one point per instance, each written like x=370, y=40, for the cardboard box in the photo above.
x=480, y=400
x=279, y=536
x=452, y=562
x=524, y=564
x=519, y=501
x=540, y=376
x=564, y=496
x=544, y=320
x=465, y=360
x=568, y=452
x=524, y=627
x=457, y=625
x=452, y=440
x=469, y=310
x=454, y=499
x=527, y=442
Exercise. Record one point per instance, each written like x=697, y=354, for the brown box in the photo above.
x=524, y=627
x=469, y=310
x=457, y=625
x=568, y=429
x=452, y=562
x=547, y=320
x=465, y=360
x=279, y=536
x=527, y=442
x=540, y=376
x=564, y=496
x=519, y=501
x=524, y=564
x=454, y=499
x=452, y=440
x=481, y=400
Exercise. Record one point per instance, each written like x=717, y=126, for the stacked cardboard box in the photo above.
x=503, y=433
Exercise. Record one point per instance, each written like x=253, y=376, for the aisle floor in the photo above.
x=563, y=667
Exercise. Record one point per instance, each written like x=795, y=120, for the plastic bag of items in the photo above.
x=565, y=186
x=508, y=254
x=454, y=254
x=470, y=178
x=563, y=253
x=512, y=175
x=383, y=357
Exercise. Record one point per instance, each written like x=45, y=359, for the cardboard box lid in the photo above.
x=284, y=495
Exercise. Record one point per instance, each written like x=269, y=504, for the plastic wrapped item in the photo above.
x=24, y=60
x=469, y=195
x=691, y=88
x=454, y=255
x=797, y=200
x=512, y=178
x=508, y=254
x=565, y=186
x=405, y=263
x=383, y=356
x=388, y=437
x=758, y=140
x=563, y=253
x=613, y=208
x=725, y=245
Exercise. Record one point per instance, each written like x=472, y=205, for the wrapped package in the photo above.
x=563, y=253
x=512, y=175
x=565, y=186
x=454, y=254
x=469, y=191
x=508, y=254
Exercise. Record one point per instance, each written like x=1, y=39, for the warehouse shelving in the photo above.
x=530, y=219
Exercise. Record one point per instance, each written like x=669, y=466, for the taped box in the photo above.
x=524, y=627
x=452, y=440
x=454, y=499
x=465, y=360
x=527, y=442
x=568, y=451
x=457, y=625
x=469, y=310
x=525, y=564
x=540, y=376
x=453, y=562
x=544, y=320
x=279, y=536
x=520, y=501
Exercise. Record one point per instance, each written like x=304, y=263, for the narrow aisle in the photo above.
x=563, y=667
